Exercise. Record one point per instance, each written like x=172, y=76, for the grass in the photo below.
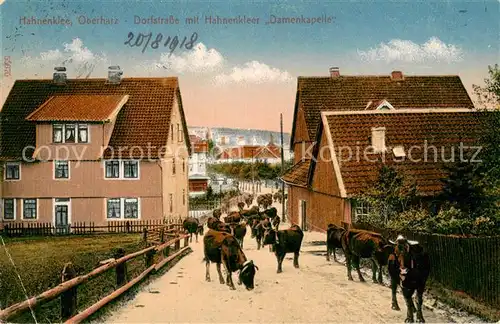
x=39, y=261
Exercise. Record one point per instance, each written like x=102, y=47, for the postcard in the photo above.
x=249, y=161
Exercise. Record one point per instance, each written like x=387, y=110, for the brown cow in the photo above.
x=216, y=225
x=333, y=240
x=276, y=222
x=258, y=229
x=239, y=231
x=223, y=248
x=190, y=224
x=359, y=244
x=409, y=266
x=201, y=229
x=233, y=217
x=283, y=242
x=217, y=213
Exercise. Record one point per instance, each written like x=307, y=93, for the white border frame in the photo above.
x=5, y=171
x=63, y=203
x=15, y=210
x=37, y=210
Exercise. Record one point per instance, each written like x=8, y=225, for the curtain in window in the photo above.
x=69, y=133
x=57, y=133
x=131, y=208
x=29, y=208
x=62, y=169
x=82, y=134
x=112, y=169
x=114, y=208
x=12, y=171
x=130, y=169
x=8, y=206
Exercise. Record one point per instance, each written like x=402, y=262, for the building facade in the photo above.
x=96, y=150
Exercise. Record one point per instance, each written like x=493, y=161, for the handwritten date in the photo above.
x=172, y=43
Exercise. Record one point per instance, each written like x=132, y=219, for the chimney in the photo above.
x=378, y=139
x=59, y=77
x=397, y=76
x=334, y=72
x=114, y=74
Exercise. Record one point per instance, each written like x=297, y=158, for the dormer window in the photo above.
x=70, y=133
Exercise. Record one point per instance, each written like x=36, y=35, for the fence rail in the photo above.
x=468, y=264
x=156, y=256
x=83, y=228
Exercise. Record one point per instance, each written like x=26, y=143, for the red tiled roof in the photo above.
x=142, y=122
x=251, y=151
x=79, y=108
x=443, y=130
x=298, y=173
x=350, y=93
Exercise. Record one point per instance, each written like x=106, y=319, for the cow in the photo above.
x=216, y=225
x=201, y=229
x=239, y=231
x=271, y=212
x=257, y=230
x=333, y=240
x=217, y=213
x=276, y=222
x=409, y=266
x=358, y=244
x=283, y=242
x=220, y=247
x=233, y=217
x=191, y=224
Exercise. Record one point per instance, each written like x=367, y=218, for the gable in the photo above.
x=322, y=171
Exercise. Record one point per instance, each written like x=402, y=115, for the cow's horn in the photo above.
x=412, y=242
x=392, y=242
x=400, y=238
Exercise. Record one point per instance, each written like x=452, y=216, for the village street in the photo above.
x=317, y=292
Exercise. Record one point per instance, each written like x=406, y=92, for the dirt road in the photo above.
x=317, y=292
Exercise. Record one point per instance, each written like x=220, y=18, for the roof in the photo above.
x=350, y=93
x=143, y=122
x=91, y=108
x=297, y=175
x=251, y=151
x=417, y=131
x=199, y=145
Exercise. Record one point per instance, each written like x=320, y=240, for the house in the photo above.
x=94, y=150
x=338, y=114
x=269, y=153
x=198, y=179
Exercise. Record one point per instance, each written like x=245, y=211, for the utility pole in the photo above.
x=253, y=172
x=282, y=170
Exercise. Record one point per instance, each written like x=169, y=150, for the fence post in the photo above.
x=178, y=244
x=68, y=298
x=121, y=269
x=145, y=235
x=149, y=258
x=186, y=241
x=162, y=235
x=166, y=251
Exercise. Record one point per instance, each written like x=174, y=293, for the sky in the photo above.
x=245, y=74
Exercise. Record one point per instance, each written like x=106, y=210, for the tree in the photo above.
x=389, y=195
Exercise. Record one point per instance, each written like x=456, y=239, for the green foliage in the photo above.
x=390, y=195
x=489, y=95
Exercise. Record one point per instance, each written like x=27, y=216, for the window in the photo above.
x=29, y=208
x=130, y=169
x=191, y=167
x=123, y=208
x=171, y=197
x=83, y=133
x=131, y=206
x=70, y=133
x=12, y=171
x=61, y=169
x=361, y=210
x=179, y=133
x=184, y=197
x=112, y=169
x=57, y=133
x=172, y=132
x=9, y=209
x=183, y=166
x=173, y=165
x=114, y=208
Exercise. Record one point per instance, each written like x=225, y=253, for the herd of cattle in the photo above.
x=408, y=264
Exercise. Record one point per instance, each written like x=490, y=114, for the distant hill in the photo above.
x=226, y=136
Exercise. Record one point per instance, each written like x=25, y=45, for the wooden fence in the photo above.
x=467, y=264
x=83, y=228
x=155, y=256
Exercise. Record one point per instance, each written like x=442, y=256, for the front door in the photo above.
x=61, y=215
x=302, y=215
